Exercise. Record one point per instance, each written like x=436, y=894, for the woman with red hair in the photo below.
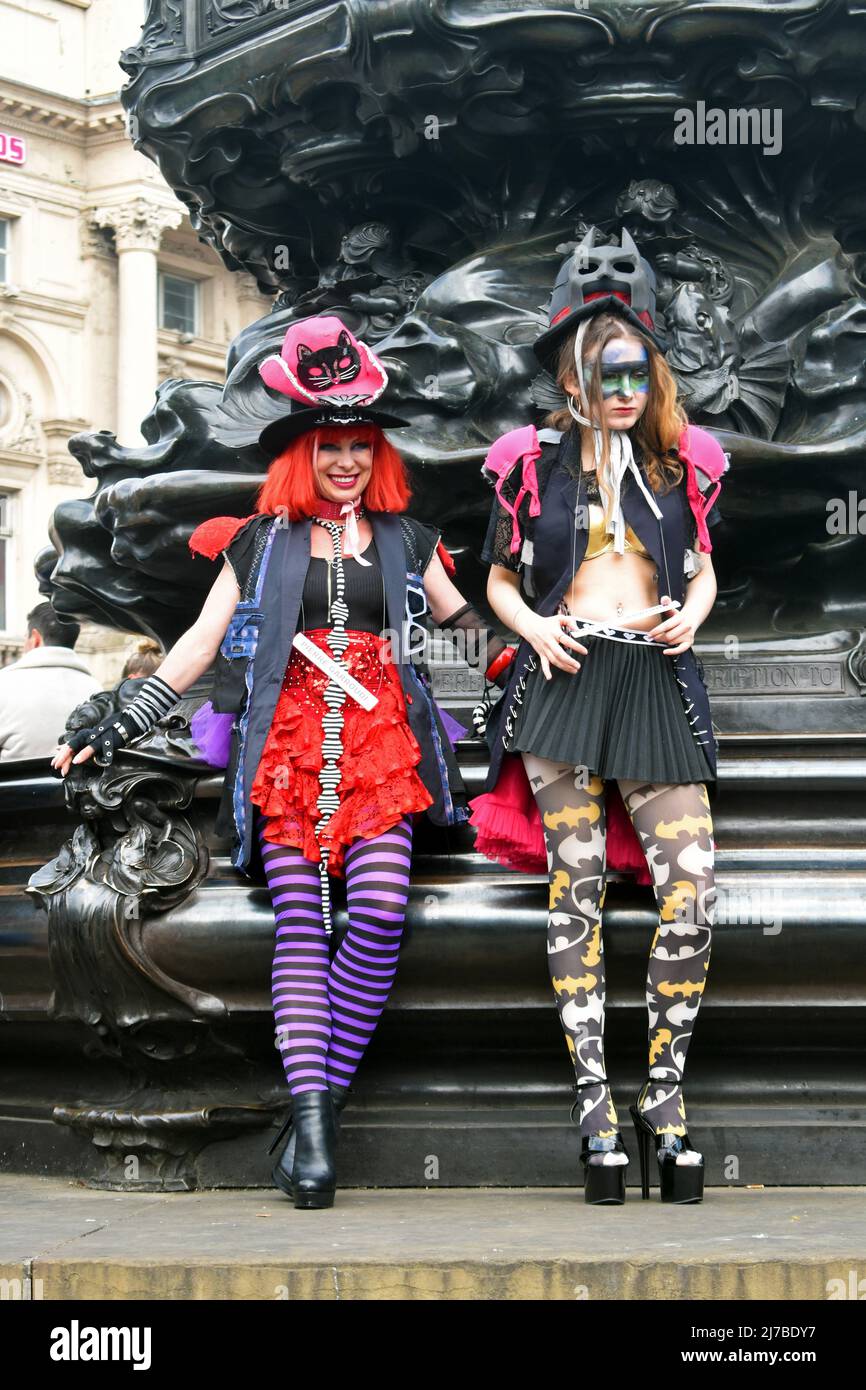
x=323, y=711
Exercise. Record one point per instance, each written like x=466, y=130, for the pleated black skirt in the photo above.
x=620, y=715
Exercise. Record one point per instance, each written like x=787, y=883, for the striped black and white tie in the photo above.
x=332, y=723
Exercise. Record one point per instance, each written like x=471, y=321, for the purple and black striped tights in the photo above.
x=325, y=1012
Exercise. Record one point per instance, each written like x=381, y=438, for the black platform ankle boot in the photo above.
x=312, y=1179
x=340, y=1095
x=678, y=1182
x=603, y=1182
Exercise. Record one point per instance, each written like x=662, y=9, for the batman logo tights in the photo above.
x=674, y=827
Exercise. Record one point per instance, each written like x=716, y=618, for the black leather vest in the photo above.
x=558, y=546
x=557, y=551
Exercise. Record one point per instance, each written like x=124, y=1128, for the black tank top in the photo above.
x=363, y=593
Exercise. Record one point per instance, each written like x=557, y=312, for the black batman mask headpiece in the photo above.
x=610, y=277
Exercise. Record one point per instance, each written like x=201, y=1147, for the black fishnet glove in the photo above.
x=490, y=646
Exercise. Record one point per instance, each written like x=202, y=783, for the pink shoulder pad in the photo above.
x=501, y=460
x=702, y=453
x=213, y=535
x=705, y=452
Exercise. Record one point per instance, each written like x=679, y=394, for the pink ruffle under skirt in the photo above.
x=509, y=832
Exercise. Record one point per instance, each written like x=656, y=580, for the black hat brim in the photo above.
x=545, y=347
x=275, y=436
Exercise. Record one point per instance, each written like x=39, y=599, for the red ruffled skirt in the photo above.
x=379, y=783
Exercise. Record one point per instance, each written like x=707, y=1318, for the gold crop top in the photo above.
x=599, y=541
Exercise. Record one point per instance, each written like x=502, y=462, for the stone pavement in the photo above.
x=71, y=1242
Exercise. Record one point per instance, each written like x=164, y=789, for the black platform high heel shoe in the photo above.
x=603, y=1183
x=340, y=1095
x=311, y=1181
x=678, y=1182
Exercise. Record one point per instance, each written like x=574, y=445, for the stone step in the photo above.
x=70, y=1242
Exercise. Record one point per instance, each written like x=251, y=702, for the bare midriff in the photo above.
x=611, y=579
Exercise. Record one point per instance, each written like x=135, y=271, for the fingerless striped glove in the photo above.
x=152, y=703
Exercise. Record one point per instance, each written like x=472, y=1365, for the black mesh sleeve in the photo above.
x=496, y=549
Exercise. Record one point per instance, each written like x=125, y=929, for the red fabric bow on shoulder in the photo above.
x=213, y=535
x=450, y=567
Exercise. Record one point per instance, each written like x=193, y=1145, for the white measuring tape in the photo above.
x=332, y=668
x=624, y=618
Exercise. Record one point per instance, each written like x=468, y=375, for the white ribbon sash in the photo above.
x=365, y=698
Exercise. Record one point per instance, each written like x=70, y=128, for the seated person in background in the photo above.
x=146, y=656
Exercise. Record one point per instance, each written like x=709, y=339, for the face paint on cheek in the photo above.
x=635, y=383
x=624, y=384
x=624, y=374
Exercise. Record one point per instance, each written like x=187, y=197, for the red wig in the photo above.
x=290, y=485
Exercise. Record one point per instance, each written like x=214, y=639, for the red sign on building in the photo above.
x=13, y=150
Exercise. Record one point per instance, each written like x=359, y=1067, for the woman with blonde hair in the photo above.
x=146, y=657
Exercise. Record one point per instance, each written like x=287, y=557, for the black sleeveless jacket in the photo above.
x=550, y=541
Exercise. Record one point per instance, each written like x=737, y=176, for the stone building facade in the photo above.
x=105, y=288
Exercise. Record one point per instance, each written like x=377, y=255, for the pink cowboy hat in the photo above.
x=329, y=376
